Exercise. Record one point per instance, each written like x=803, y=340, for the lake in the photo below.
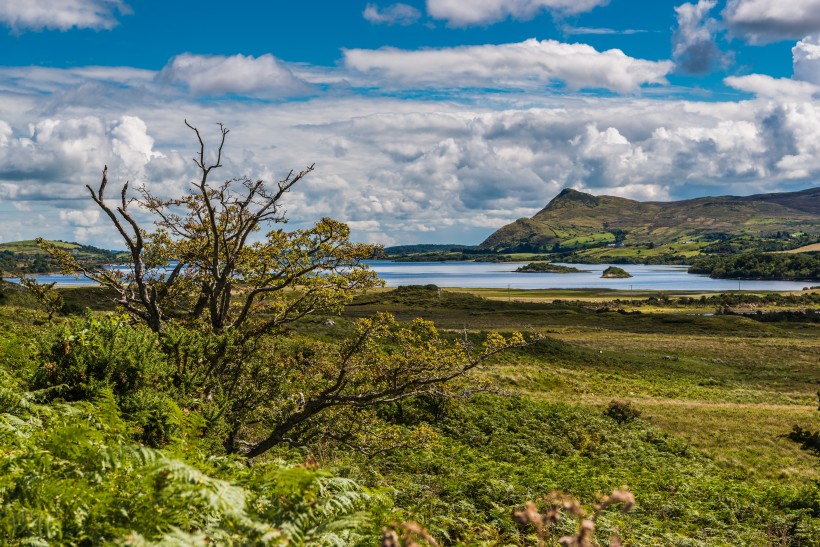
x=503, y=275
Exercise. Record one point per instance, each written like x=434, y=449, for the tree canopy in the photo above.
x=200, y=263
x=217, y=300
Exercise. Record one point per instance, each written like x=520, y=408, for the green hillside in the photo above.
x=604, y=228
x=26, y=257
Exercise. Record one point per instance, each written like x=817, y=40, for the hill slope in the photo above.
x=576, y=221
x=26, y=257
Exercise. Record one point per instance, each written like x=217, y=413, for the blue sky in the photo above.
x=429, y=121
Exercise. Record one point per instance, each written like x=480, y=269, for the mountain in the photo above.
x=578, y=222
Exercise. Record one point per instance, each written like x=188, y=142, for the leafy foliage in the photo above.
x=760, y=266
x=45, y=294
x=382, y=362
x=71, y=476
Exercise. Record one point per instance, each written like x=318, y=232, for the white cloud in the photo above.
x=695, y=50
x=806, y=56
x=601, y=31
x=763, y=21
x=364, y=225
x=52, y=151
x=5, y=133
x=606, y=158
x=394, y=14
x=774, y=88
x=80, y=217
x=56, y=157
x=641, y=192
x=131, y=142
x=216, y=75
x=461, y=13
x=527, y=63
x=803, y=86
x=398, y=169
x=60, y=14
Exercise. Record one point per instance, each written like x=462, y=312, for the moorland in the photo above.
x=694, y=412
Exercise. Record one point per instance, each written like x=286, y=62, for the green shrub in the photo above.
x=96, y=354
x=100, y=352
x=622, y=412
x=69, y=475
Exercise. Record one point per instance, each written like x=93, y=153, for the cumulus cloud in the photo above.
x=605, y=158
x=806, y=56
x=53, y=150
x=459, y=13
x=803, y=86
x=61, y=14
x=80, y=217
x=532, y=62
x=5, y=133
x=217, y=75
x=774, y=88
x=58, y=156
x=132, y=144
x=400, y=169
x=763, y=21
x=394, y=14
x=694, y=47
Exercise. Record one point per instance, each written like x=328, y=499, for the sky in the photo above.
x=434, y=121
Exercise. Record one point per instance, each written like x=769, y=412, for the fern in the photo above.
x=70, y=474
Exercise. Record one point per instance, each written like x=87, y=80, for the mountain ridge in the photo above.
x=575, y=221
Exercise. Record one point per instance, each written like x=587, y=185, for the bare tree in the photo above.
x=199, y=264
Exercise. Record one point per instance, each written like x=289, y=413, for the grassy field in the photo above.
x=27, y=257
x=702, y=379
x=708, y=457
x=30, y=247
x=725, y=391
x=814, y=248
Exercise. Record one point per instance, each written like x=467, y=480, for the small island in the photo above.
x=615, y=272
x=546, y=267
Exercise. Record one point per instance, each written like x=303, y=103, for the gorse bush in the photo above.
x=48, y=297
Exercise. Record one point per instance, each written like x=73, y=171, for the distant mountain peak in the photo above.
x=569, y=197
x=575, y=221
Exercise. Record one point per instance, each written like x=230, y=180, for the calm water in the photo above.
x=482, y=274
x=478, y=274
